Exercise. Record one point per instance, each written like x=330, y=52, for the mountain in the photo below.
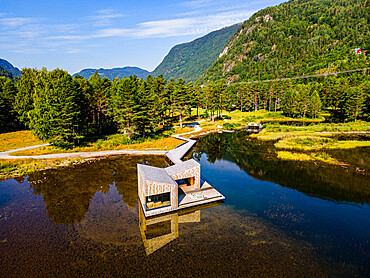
x=5, y=73
x=115, y=72
x=190, y=60
x=10, y=68
x=296, y=38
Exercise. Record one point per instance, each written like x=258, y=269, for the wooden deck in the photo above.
x=207, y=192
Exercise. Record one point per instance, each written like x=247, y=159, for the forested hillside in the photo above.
x=10, y=68
x=190, y=60
x=115, y=72
x=5, y=73
x=296, y=38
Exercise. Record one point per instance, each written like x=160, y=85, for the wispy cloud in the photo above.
x=199, y=3
x=32, y=35
x=105, y=17
x=12, y=22
x=74, y=50
x=178, y=27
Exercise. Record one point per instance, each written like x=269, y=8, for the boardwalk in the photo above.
x=175, y=187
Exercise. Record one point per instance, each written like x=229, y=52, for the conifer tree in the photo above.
x=355, y=102
x=315, y=104
x=180, y=98
x=25, y=91
x=8, y=119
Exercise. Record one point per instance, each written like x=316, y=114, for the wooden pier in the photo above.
x=253, y=127
x=163, y=190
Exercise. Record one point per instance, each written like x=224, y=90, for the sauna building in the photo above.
x=163, y=190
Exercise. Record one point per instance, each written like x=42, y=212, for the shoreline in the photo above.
x=23, y=165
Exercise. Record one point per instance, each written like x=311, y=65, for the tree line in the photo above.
x=65, y=110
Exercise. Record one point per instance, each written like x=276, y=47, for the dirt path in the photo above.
x=5, y=155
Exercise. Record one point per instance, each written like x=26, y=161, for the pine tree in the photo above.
x=315, y=104
x=24, y=98
x=355, y=102
x=180, y=98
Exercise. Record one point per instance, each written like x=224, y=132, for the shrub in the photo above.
x=227, y=126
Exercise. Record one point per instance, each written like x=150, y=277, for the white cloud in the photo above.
x=199, y=3
x=105, y=17
x=13, y=22
x=113, y=32
x=180, y=26
x=73, y=50
x=69, y=37
x=165, y=28
x=40, y=35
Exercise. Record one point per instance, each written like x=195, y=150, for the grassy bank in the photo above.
x=299, y=139
x=16, y=140
x=112, y=142
x=20, y=167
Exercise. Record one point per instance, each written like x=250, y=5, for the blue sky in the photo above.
x=74, y=35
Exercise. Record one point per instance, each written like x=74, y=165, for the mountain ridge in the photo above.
x=296, y=38
x=114, y=72
x=6, y=65
x=191, y=59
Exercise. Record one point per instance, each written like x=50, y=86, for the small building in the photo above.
x=359, y=51
x=180, y=186
x=168, y=189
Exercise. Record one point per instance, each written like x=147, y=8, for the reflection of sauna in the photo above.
x=157, y=231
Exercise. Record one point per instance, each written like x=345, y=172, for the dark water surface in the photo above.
x=280, y=219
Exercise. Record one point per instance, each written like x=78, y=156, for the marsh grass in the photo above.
x=317, y=143
x=315, y=156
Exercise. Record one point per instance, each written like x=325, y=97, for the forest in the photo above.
x=296, y=38
x=66, y=110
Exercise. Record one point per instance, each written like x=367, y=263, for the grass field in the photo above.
x=305, y=143
x=113, y=142
x=18, y=139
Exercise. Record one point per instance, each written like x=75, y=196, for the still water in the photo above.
x=279, y=218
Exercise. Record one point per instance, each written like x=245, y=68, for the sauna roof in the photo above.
x=155, y=174
x=181, y=167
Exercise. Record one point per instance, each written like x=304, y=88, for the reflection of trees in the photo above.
x=258, y=159
x=214, y=145
x=67, y=192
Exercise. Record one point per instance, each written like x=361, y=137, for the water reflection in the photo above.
x=158, y=231
x=259, y=160
x=84, y=221
x=67, y=192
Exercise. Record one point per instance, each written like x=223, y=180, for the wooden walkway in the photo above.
x=180, y=151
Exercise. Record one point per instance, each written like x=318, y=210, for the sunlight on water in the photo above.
x=86, y=221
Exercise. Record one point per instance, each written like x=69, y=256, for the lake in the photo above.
x=280, y=218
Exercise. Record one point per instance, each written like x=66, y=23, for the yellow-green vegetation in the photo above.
x=115, y=142
x=316, y=143
x=20, y=167
x=314, y=136
x=16, y=140
x=321, y=156
x=314, y=127
x=266, y=116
